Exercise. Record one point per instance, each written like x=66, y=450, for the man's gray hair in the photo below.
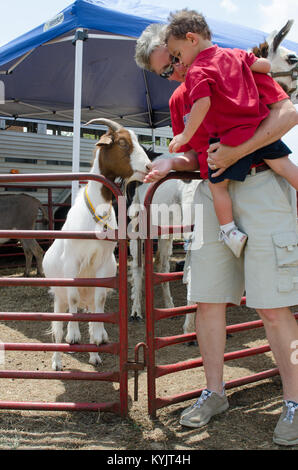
x=151, y=38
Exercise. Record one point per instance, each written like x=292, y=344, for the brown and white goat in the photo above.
x=117, y=154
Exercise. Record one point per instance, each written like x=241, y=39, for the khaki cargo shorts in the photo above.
x=264, y=207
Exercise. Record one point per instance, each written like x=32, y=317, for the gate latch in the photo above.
x=137, y=365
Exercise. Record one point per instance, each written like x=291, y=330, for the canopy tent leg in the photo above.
x=77, y=111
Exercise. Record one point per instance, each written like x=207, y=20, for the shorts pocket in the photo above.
x=287, y=279
x=286, y=250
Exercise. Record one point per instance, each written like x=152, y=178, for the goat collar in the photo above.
x=92, y=211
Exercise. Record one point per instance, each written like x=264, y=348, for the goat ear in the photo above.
x=105, y=140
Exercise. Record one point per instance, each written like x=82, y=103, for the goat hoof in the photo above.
x=136, y=318
x=73, y=338
x=57, y=366
x=100, y=338
x=95, y=359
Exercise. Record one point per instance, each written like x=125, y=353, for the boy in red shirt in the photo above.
x=224, y=95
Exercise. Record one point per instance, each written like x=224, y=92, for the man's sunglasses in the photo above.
x=169, y=70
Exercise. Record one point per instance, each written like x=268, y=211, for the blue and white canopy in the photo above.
x=38, y=68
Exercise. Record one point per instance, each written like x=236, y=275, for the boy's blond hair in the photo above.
x=185, y=21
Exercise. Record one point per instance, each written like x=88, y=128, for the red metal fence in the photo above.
x=153, y=315
x=120, y=317
x=120, y=348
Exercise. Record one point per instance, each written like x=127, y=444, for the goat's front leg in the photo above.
x=57, y=332
x=97, y=332
x=73, y=331
x=136, y=278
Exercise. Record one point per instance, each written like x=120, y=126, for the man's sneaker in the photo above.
x=209, y=404
x=234, y=239
x=286, y=431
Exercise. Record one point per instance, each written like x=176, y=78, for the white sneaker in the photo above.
x=234, y=239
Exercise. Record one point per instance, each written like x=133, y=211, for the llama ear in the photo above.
x=105, y=140
x=282, y=34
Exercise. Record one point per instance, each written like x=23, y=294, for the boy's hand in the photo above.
x=177, y=142
x=160, y=168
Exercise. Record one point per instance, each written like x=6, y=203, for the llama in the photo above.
x=284, y=63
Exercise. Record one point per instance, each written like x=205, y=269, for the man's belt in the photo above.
x=257, y=169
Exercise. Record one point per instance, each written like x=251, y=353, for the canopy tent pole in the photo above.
x=78, y=41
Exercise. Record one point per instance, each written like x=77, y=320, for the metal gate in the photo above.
x=153, y=315
x=119, y=348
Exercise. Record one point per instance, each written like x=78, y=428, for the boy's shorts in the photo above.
x=240, y=169
x=264, y=207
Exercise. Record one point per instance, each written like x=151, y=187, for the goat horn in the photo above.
x=114, y=126
x=282, y=34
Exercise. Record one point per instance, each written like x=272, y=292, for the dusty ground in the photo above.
x=248, y=424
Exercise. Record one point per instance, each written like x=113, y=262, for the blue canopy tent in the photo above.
x=46, y=77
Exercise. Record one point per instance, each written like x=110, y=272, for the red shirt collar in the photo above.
x=209, y=52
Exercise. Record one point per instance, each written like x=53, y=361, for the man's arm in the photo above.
x=161, y=167
x=283, y=117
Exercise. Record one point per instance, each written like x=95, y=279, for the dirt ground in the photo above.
x=247, y=425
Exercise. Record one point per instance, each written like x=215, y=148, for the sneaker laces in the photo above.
x=200, y=401
x=223, y=234
x=291, y=408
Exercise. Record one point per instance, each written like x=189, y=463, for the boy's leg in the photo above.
x=286, y=168
x=230, y=234
x=222, y=202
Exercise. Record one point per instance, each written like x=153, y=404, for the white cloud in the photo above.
x=229, y=5
x=277, y=14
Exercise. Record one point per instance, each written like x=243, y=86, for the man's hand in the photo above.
x=220, y=157
x=177, y=142
x=160, y=169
